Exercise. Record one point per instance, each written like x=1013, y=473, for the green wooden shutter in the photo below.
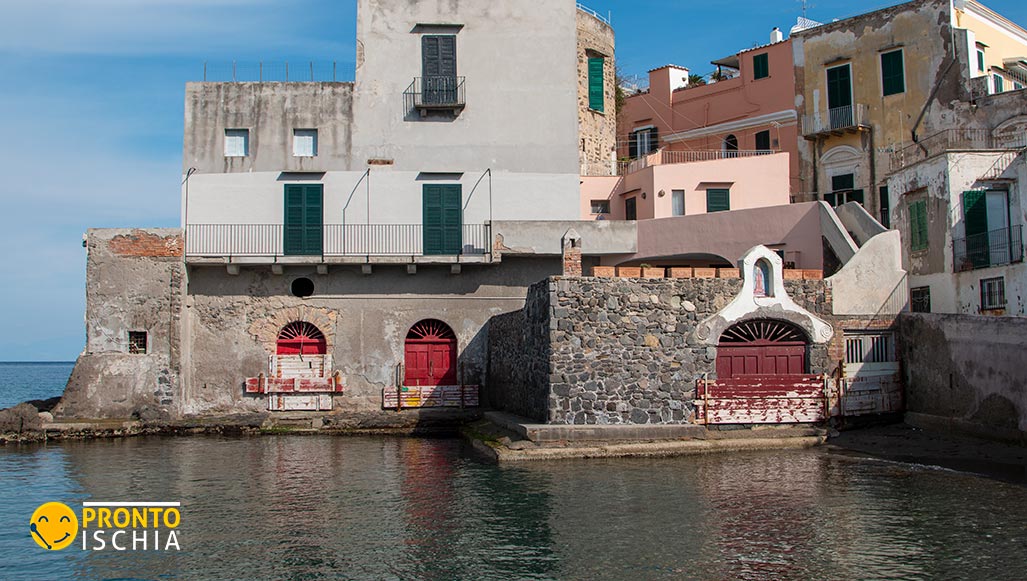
x=892, y=75
x=596, y=93
x=885, y=203
x=975, y=212
x=761, y=66
x=303, y=226
x=442, y=217
x=918, y=225
x=718, y=200
x=839, y=87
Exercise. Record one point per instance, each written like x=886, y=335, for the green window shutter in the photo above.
x=980, y=60
x=718, y=200
x=303, y=226
x=893, y=78
x=442, y=217
x=596, y=74
x=918, y=225
x=761, y=66
x=975, y=212
x=839, y=87
x=885, y=204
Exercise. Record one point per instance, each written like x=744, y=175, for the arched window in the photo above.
x=762, y=347
x=730, y=146
x=300, y=351
x=762, y=279
x=430, y=354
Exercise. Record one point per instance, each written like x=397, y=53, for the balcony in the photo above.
x=340, y=243
x=951, y=140
x=994, y=248
x=662, y=157
x=443, y=94
x=837, y=121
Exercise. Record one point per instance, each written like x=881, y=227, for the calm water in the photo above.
x=24, y=381
x=279, y=507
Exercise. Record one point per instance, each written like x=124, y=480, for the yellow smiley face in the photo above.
x=53, y=526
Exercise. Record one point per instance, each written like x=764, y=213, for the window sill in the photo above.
x=603, y=113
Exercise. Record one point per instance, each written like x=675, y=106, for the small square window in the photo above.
x=600, y=206
x=920, y=299
x=993, y=293
x=137, y=342
x=237, y=142
x=718, y=200
x=304, y=142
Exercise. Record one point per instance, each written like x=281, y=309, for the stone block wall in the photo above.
x=598, y=131
x=518, y=355
x=625, y=351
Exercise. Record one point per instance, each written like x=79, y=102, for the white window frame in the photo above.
x=304, y=142
x=237, y=142
x=1000, y=281
x=647, y=131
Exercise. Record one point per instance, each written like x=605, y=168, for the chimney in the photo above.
x=776, y=35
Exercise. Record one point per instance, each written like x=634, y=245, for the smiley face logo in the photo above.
x=53, y=526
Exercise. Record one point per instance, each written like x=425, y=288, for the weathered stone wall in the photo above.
x=518, y=355
x=598, y=130
x=625, y=350
x=966, y=372
x=134, y=282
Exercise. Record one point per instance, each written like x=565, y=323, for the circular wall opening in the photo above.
x=302, y=287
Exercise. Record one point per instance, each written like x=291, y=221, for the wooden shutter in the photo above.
x=918, y=225
x=654, y=139
x=718, y=200
x=975, y=212
x=839, y=87
x=304, y=219
x=761, y=66
x=596, y=93
x=892, y=74
x=442, y=217
x=885, y=203
x=633, y=144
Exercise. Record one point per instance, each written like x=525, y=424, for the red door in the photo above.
x=430, y=355
x=761, y=348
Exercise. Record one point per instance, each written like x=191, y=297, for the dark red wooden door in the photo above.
x=761, y=348
x=301, y=338
x=430, y=355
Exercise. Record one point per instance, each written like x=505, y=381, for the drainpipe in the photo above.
x=934, y=91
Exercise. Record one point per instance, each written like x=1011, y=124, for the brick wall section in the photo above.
x=145, y=244
x=571, y=260
x=623, y=351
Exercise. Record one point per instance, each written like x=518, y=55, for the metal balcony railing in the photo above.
x=837, y=120
x=951, y=140
x=663, y=157
x=272, y=72
x=993, y=248
x=268, y=240
x=428, y=93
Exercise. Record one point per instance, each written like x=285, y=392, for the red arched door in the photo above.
x=761, y=347
x=430, y=354
x=300, y=351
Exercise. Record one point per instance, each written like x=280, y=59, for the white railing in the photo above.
x=837, y=119
x=663, y=157
x=607, y=20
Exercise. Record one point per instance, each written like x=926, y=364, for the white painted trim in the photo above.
x=1000, y=22
x=785, y=117
x=643, y=128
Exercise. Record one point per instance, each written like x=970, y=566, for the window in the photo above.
x=980, y=59
x=842, y=190
x=730, y=146
x=993, y=293
x=596, y=84
x=631, y=209
x=763, y=141
x=760, y=66
x=304, y=142
x=885, y=204
x=677, y=202
x=920, y=299
x=918, y=226
x=600, y=206
x=718, y=200
x=892, y=75
x=137, y=342
x=237, y=142
x=1017, y=86
x=643, y=141
x=998, y=83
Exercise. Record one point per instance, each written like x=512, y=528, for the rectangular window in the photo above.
x=596, y=84
x=885, y=204
x=600, y=206
x=718, y=200
x=920, y=299
x=998, y=83
x=137, y=342
x=631, y=209
x=980, y=60
x=677, y=202
x=763, y=141
x=918, y=226
x=760, y=66
x=892, y=73
x=843, y=182
x=304, y=142
x=643, y=142
x=993, y=293
x=237, y=142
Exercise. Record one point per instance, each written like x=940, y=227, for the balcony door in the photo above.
x=303, y=225
x=443, y=218
x=986, y=220
x=839, y=96
x=438, y=69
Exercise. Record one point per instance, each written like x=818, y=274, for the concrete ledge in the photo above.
x=590, y=433
x=964, y=427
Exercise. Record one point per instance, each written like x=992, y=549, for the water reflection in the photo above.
x=384, y=508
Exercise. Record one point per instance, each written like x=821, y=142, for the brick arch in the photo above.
x=266, y=330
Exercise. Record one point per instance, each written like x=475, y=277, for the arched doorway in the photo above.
x=731, y=146
x=429, y=354
x=300, y=351
x=762, y=347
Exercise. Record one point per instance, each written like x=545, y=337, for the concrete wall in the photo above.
x=966, y=372
x=598, y=130
x=599, y=237
x=134, y=282
x=232, y=320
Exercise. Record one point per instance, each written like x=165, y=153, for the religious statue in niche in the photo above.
x=761, y=279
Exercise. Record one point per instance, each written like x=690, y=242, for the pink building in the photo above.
x=746, y=107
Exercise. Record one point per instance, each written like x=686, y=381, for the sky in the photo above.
x=91, y=112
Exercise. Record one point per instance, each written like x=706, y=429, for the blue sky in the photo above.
x=91, y=106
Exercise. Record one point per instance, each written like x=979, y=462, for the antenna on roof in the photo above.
x=805, y=6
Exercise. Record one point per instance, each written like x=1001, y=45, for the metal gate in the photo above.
x=871, y=382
